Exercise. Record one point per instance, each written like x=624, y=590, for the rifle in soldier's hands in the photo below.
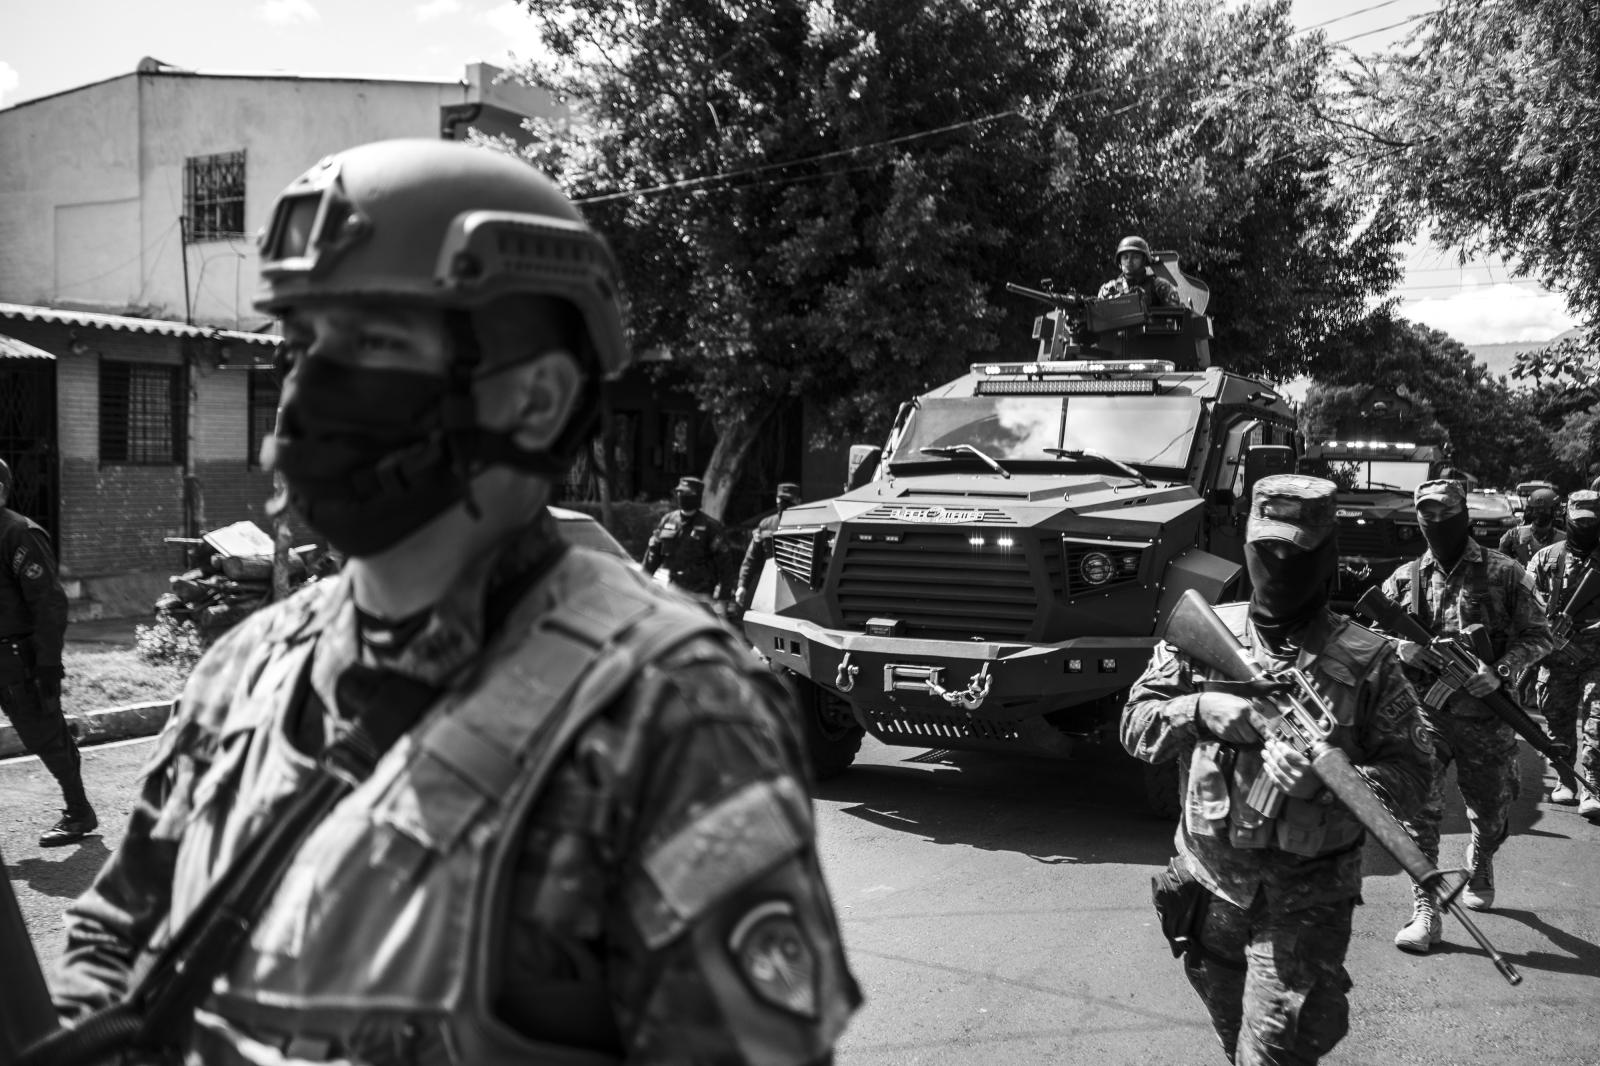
x=1294, y=712
x=1462, y=656
x=1563, y=620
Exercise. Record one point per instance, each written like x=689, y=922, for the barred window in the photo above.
x=143, y=414
x=263, y=412
x=213, y=195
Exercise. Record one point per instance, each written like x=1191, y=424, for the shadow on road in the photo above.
x=1526, y=812
x=67, y=873
x=1581, y=957
x=1083, y=810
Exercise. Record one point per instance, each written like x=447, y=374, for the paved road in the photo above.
x=997, y=911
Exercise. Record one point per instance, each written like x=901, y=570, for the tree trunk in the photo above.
x=734, y=439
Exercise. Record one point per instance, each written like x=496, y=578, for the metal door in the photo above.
x=28, y=439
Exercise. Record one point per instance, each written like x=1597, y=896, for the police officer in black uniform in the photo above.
x=760, y=549
x=33, y=629
x=689, y=549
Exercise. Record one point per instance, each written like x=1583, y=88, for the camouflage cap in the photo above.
x=1293, y=507
x=788, y=490
x=1583, y=504
x=1444, y=490
x=691, y=485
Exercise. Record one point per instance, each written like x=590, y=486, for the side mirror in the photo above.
x=1264, y=460
x=863, y=465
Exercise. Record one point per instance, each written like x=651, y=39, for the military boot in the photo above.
x=1566, y=790
x=1479, y=893
x=1424, y=929
x=1590, y=808
x=75, y=824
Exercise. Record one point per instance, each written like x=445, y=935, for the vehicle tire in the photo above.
x=1161, y=787
x=832, y=735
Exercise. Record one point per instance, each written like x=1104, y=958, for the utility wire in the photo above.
x=1380, y=29
x=1346, y=15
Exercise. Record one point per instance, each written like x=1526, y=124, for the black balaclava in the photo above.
x=1288, y=591
x=1582, y=535
x=1447, y=537
x=688, y=502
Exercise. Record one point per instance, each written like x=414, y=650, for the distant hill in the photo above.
x=1500, y=358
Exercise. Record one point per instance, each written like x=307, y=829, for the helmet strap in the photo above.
x=459, y=408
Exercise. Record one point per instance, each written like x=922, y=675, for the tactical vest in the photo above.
x=1220, y=775
x=379, y=945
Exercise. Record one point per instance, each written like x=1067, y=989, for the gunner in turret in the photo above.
x=1133, y=258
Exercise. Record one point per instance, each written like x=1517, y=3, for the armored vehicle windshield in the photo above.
x=1152, y=432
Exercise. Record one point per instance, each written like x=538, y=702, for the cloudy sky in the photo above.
x=47, y=46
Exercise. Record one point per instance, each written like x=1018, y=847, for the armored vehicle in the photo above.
x=1378, y=528
x=997, y=573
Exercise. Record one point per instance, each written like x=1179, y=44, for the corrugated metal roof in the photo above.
x=90, y=319
x=11, y=348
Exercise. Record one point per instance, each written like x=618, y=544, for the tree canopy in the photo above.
x=1485, y=123
x=822, y=200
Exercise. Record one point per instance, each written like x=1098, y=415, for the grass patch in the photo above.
x=109, y=675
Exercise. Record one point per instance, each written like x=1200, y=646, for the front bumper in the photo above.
x=1000, y=682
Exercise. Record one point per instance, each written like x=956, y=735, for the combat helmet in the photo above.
x=1134, y=244
x=443, y=224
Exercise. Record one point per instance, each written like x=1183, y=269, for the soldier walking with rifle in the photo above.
x=1569, y=680
x=1297, y=729
x=1455, y=585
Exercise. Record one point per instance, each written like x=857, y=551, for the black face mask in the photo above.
x=362, y=453
x=1582, y=536
x=1289, y=590
x=1446, y=537
x=687, y=503
x=1540, y=519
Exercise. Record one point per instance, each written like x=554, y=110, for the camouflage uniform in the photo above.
x=689, y=549
x=1272, y=944
x=1569, y=682
x=1492, y=589
x=761, y=548
x=665, y=903
x=1524, y=542
x=1160, y=291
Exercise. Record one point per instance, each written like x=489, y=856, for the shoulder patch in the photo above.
x=32, y=572
x=776, y=959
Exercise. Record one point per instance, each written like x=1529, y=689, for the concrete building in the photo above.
x=143, y=193
x=129, y=409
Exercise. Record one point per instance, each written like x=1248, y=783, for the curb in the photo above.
x=101, y=726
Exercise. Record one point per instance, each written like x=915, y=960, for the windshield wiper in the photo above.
x=1101, y=457
x=952, y=451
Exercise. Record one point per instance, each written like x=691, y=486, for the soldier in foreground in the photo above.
x=1538, y=529
x=1455, y=584
x=1268, y=904
x=1569, y=682
x=689, y=549
x=33, y=632
x=588, y=839
x=1133, y=263
x=760, y=548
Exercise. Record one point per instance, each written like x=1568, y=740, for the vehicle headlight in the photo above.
x=1405, y=533
x=1096, y=568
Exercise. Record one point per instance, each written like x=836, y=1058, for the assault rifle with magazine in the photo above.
x=1462, y=656
x=1286, y=705
x=1563, y=620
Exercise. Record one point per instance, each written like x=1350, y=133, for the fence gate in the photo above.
x=28, y=439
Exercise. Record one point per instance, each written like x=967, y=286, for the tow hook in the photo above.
x=972, y=697
x=845, y=678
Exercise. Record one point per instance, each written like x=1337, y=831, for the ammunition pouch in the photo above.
x=1181, y=904
x=16, y=661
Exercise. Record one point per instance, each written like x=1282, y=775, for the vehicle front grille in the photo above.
x=938, y=584
x=1368, y=539
x=802, y=555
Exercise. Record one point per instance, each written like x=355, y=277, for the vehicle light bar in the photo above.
x=1064, y=387
x=1079, y=366
x=1374, y=445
